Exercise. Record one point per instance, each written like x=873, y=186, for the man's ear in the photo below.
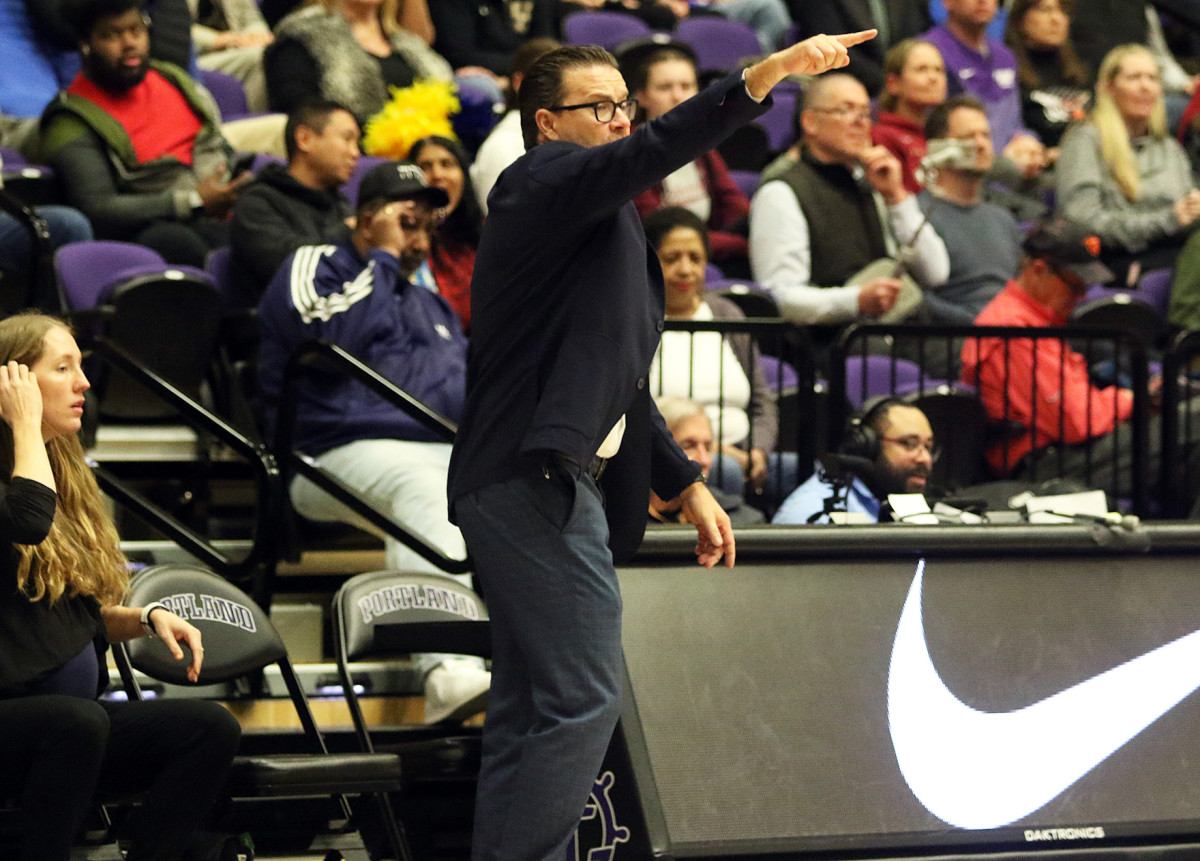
x=545, y=122
x=304, y=136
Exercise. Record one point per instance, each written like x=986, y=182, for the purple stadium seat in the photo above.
x=780, y=375
x=1154, y=288
x=219, y=266
x=720, y=44
x=228, y=92
x=11, y=158
x=365, y=163
x=747, y=180
x=875, y=376
x=607, y=29
x=86, y=270
x=777, y=121
x=166, y=316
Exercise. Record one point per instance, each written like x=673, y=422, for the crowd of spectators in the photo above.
x=947, y=177
x=904, y=194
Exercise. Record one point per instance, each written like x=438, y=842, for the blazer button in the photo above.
x=641, y=383
x=660, y=325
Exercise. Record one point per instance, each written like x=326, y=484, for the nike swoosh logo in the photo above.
x=977, y=769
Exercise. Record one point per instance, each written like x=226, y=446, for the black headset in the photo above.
x=860, y=438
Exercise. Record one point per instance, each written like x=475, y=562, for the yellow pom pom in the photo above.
x=413, y=113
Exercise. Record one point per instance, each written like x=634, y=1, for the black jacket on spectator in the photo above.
x=274, y=216
x=906, y=18
x=170, y=37
x=487, y=32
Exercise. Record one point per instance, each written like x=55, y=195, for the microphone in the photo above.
x=1127, y=522
x=837, y=465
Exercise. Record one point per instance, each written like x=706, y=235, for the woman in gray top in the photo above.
x=1122, y=174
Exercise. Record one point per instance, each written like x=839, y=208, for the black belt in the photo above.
x=595, y=468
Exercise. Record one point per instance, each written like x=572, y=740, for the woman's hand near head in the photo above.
x=20, y=397
x=21, y=409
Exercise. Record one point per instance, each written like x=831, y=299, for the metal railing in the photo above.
x=324, y=357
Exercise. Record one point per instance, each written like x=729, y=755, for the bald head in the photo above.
x=836, y=119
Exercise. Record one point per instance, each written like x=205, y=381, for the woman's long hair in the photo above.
x=81, y=555
x=1069, y=65
x=465, y=223
x=1114, y=135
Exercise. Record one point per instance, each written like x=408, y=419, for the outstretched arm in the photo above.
x=813, y=56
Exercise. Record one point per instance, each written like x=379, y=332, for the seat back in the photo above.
x=387, y=614
x=960, y=426
x=365, y=163
x=777, y=121
x=600, y=27
x=168, y=317
x=227, y=91
x=721, y=44
x=384, y=614
x=1154, y=288
x=219, y=266
x=239, y=637
x=1121, y=311
x=85, y=269
x=876, y=376
x=747, y=180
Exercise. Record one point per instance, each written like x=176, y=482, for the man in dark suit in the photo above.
x=567, y=307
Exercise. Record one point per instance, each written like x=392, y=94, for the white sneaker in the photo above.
x=456, y=689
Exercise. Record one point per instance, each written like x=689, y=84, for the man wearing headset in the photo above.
x=895, y=439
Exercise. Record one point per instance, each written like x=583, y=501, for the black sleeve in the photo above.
x=50, y=24
x=26, y=511
x=87, y=175
x=292, y=75
x=459, y=27
x=258, y=243
x=171, y=35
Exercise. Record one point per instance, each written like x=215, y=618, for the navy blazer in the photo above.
x=567, y=307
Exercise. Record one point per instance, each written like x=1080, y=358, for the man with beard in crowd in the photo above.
x=890, y=435
x=137, y=143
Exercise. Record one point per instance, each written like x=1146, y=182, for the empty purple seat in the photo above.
x=607, y=29
x=365, y=163
x=720, y=43
x=228, y=93
x=166, y=316
x=877, y=376
x=1154, y=288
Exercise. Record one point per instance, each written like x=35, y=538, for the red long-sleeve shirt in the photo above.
x=1044, y=381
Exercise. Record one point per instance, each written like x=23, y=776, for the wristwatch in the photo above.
x=147, y=625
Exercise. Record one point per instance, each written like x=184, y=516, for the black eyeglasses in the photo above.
x=605, y=109
x=911, y=444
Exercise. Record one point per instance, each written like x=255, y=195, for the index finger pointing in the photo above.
x=849, y=40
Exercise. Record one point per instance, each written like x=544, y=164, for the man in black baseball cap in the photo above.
x=398, y=180
x=1070, y=250
x=398, y=211
x=358, y=295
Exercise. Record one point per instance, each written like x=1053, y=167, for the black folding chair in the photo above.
x=240, y=641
